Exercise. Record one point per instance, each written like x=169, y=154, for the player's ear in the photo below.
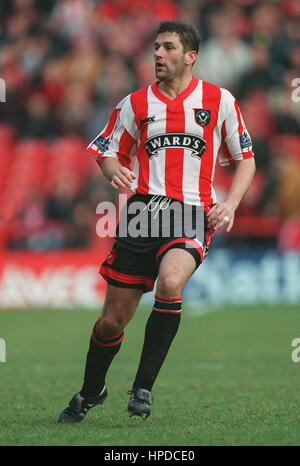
x=190, y=57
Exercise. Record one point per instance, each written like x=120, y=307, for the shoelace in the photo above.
x=159, y=204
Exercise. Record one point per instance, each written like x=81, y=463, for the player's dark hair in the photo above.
x=188, y=35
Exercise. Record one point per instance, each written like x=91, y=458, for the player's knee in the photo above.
x=169, y=286
x=109, y=325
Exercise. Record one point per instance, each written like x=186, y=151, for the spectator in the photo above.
x=67, y=63
x=38, y=121
x=75, y=109
x=286, y=112
x=224, y=57
x=260, y=75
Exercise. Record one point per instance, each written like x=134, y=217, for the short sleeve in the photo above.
x=236, y=140
x=118, y=138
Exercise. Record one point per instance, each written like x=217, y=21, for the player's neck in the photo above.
x=174, y=87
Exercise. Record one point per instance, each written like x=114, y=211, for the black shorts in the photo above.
x=134, y=259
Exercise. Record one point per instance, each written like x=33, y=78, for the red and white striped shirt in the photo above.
x=176, y=141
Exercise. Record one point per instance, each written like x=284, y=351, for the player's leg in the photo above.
x=175, y=268
x=128, y=276
x=107, y=335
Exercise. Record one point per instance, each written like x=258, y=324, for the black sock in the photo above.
x=99, y=358
x=160, y=331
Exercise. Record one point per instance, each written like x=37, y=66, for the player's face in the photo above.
x=169, y=55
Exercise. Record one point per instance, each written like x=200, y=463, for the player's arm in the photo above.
x=223, y=213
x=114, y=146
x=237, y=150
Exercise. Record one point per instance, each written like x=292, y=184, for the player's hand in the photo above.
x=221, y=215
x=122, y=178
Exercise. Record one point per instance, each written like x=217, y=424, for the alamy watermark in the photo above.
x=160, y=217
x=2, y=350
x=296, y=92
x=296, y=352
x=2, y=90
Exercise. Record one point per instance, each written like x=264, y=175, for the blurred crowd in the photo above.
x=67, y=63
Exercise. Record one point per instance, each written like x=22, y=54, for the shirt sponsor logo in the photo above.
x=195, y=144
x=202, y=117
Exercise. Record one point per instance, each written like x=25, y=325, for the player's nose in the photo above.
x=158, y=52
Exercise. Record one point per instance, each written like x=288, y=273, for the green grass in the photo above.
x=228, y=380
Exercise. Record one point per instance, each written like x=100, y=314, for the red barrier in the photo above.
x=64, y=279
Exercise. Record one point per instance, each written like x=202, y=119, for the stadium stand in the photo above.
x=67, y=63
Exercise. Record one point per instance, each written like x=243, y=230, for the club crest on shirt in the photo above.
x=202, y=117
x=194, y=143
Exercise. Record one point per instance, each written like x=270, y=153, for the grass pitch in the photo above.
x=228, y=380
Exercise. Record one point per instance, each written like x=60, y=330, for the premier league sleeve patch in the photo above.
x=101, y=143
x=245, y=141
